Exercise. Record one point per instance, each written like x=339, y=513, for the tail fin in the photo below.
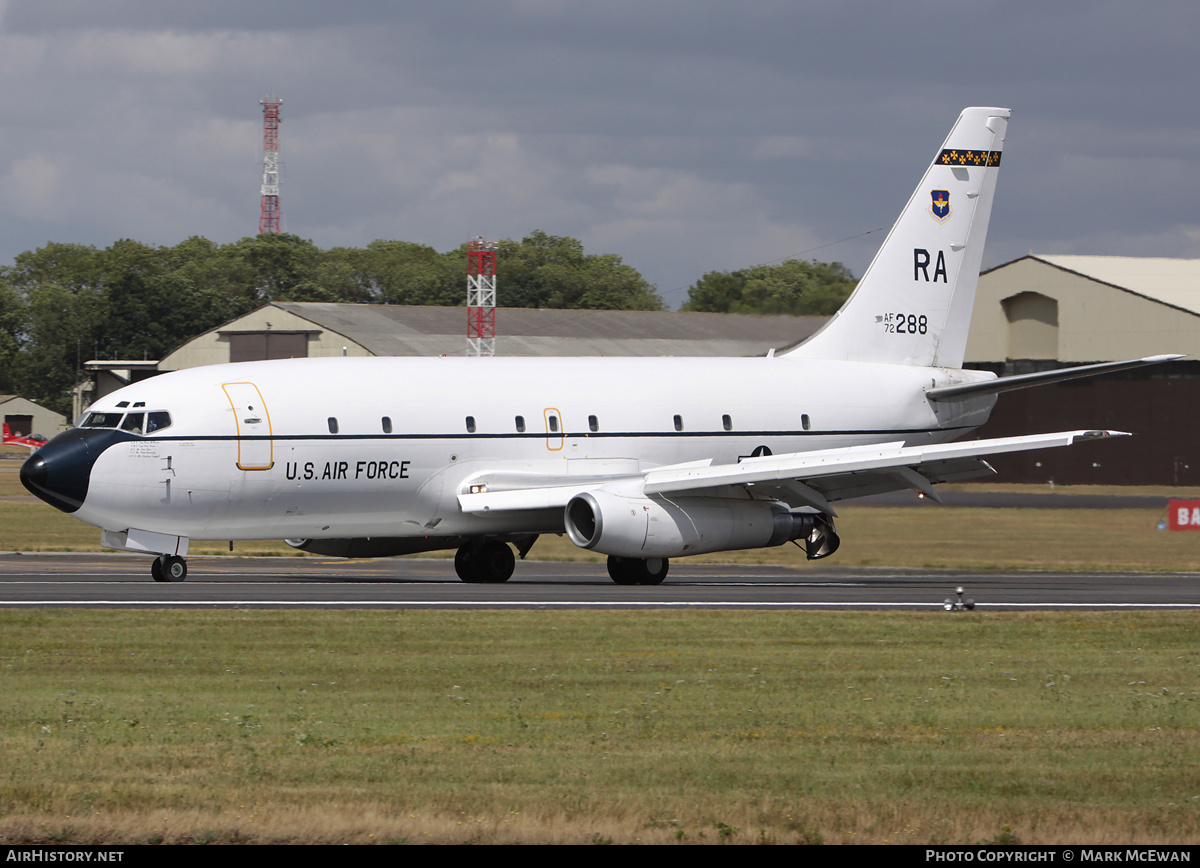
x=913, y=306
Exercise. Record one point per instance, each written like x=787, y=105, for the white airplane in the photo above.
x=640, y=459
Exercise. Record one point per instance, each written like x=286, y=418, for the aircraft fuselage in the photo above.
x=332, y=448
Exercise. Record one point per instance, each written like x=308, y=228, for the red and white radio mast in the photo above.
x=481, y=298
x=268, y=220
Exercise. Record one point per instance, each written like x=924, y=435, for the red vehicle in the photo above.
x=32, y=442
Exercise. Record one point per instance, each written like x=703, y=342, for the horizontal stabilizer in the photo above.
x=1025, y=381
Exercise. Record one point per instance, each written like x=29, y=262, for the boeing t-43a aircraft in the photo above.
x=640, y=459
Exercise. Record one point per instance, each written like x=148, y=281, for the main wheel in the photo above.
x=487, y=563
x=637, y=571
x=495, y=562
x=618, y=570
x=169, y=568
x=651, y=571
x=464, y=564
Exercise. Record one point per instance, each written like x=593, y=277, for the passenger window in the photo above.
x=470, y=424
x=593, y=423
x=804, y=421
x=727, y=422
x=387, y=424
x=133, y=423
x=678, y=422
x=157, y=420
x=333, y=425
x=520, y=421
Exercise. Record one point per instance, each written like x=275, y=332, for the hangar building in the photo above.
x=295, y=329
x=1044, y=312
x=23, y=417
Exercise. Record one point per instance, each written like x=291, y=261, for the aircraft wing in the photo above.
x=813, y=479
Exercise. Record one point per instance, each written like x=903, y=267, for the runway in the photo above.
x=116, y=580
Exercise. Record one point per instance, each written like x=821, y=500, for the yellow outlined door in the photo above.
x=255, y=447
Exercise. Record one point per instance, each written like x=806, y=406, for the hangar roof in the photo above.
x=1171, y=281
x=424, y=331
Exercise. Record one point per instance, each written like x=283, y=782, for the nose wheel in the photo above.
x=169, y=568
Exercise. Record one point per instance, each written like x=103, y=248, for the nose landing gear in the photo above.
x=169, y=568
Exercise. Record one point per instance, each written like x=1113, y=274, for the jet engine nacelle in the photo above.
x=651, y=527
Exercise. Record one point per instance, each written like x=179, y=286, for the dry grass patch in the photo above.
x=581, y=726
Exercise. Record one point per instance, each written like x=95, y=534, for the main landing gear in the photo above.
x=490, y=562
x=637, y=571
x=169, y=568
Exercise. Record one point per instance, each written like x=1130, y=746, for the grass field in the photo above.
x=583, y=726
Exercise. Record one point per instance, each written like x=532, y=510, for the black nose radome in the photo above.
x=59, y=472
x=33, y=473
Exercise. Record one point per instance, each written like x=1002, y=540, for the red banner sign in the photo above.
x=1183, y=514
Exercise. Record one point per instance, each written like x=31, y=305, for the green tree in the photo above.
x=401, y=272
x=61, y=290
x=791, y=287
x=553, y=271
x=64, y=329
x=12, y=318
x=275, y=266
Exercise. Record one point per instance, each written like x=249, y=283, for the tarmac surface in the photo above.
x=123, y=581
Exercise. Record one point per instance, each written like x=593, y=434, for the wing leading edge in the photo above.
x=813, y=479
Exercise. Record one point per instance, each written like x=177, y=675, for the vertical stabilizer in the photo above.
x=913, y=306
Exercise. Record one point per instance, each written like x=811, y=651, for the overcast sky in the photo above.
x=684, y=135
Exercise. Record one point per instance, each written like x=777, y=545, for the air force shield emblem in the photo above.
x=940, y=208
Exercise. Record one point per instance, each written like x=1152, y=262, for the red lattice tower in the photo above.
x=481, y=298
x=268, y=220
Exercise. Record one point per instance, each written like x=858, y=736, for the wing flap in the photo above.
x=865, y=483
x=811, y=467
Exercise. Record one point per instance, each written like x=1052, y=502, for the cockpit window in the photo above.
x=101, y=420
x=134, y=423
x=157, y=421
